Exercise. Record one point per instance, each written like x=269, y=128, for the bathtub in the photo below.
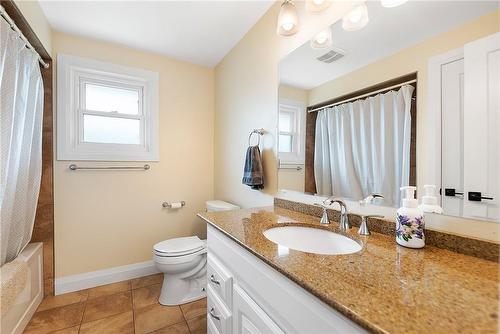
x=28, y=282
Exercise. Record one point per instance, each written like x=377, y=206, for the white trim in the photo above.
x=70, y=70
x=297, y=155
x=105, y=276
x=432, y=171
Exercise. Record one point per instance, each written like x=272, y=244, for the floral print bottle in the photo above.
x=410, y=221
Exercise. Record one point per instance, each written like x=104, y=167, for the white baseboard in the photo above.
x=102, y=277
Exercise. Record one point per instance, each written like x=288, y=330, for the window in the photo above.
x=290, y=141
x=106, y=111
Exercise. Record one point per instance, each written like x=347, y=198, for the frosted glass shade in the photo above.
x=288, y=19
x=356, y=19
x=316, y=6
x=322, y=40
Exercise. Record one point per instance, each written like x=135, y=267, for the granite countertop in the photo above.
x=385, y=288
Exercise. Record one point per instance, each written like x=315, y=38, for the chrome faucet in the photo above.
x=363, y=228
x=369, y=199
x=344, y=218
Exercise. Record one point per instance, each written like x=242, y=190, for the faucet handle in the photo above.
x=363, y=228
x=370, y=198
x=324, y=216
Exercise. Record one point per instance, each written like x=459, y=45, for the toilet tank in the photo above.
x=220, y=206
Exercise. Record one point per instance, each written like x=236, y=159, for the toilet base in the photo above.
x=177, y=291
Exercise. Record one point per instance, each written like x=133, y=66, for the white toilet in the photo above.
x=183, y=262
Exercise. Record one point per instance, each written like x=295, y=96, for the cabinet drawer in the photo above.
x=218, y=313
x=220, y=280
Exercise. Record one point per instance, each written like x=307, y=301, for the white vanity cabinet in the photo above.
x=245, y=295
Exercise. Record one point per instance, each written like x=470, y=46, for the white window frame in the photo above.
x=297, y=133
x=72, y=75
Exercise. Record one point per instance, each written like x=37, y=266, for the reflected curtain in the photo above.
x=21, y=103
x=363, y=147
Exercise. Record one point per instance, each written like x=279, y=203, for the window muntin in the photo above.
x=110, y=112
x=105, y=111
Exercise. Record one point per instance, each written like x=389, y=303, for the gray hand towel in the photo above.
x=253, y=174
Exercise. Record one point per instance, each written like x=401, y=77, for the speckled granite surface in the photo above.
x=456, y=243
x=385, y=288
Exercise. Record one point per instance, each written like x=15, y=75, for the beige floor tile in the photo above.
x=180, y=328
x=109, y=289
x=55, y=319
x=194, y=309
x=71, y=330
x=62, y=300
x=122, y=323
x=146, y=280
x=154, y=317
x=198, y=325
x=106, y=306
x=146, y=296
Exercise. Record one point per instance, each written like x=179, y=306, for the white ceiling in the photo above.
x=201, y=32
x=389, y=30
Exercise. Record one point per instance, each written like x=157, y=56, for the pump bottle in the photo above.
x=430, y=201
x=410, y=221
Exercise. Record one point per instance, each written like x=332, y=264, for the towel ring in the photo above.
x=259, y=133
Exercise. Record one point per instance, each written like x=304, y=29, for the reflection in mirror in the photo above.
x=410, y=98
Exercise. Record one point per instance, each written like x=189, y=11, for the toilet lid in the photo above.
x=179, y=246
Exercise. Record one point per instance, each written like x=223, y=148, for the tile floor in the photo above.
x=129, y=307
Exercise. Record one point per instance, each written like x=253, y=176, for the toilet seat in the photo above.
x=158, y=258
x=179, y=247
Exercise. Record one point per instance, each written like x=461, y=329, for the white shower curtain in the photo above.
x=21, y=105
x=363, y=147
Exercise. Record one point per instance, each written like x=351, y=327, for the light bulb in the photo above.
x=322, y=39
x=316, y=6
x=288, y=19
x=392, y=3
x=356, y=19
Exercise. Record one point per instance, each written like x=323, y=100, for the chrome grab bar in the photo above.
x=145, y=167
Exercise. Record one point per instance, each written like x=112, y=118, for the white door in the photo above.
x=249, y=318
x=452, y=129
x=482, y=127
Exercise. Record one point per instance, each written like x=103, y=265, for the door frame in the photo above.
x=433, y=172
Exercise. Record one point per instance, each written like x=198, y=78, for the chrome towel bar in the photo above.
x=145, y=167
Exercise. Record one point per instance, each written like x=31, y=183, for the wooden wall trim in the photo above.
x=43, y=230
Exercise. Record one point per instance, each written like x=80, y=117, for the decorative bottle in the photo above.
x=410, y=221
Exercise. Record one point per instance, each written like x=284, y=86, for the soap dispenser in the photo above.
x=430, y=201
x=410, y=221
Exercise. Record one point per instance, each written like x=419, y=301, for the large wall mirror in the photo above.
x=402, y=96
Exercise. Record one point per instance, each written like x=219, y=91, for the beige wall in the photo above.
x=246, y=97
x=105, y=219
x=292, y=179
x=33, y=13
x=412, y=59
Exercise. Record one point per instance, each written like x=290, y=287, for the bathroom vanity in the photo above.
x=258, y=286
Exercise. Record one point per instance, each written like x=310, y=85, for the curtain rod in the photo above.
x=13, y=25
x=363, y=95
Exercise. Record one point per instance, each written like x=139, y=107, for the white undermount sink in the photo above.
x=312, y=240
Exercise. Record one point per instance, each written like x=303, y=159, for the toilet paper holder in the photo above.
x=173, y=205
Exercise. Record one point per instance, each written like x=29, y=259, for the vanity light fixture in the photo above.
x=356, y=19
x=322, y=40
x=316, y=6
x=392, y=3
x=288, y=19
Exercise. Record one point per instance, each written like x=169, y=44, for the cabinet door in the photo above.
x=249, y=318
x=481, y=127
x=452, y=129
